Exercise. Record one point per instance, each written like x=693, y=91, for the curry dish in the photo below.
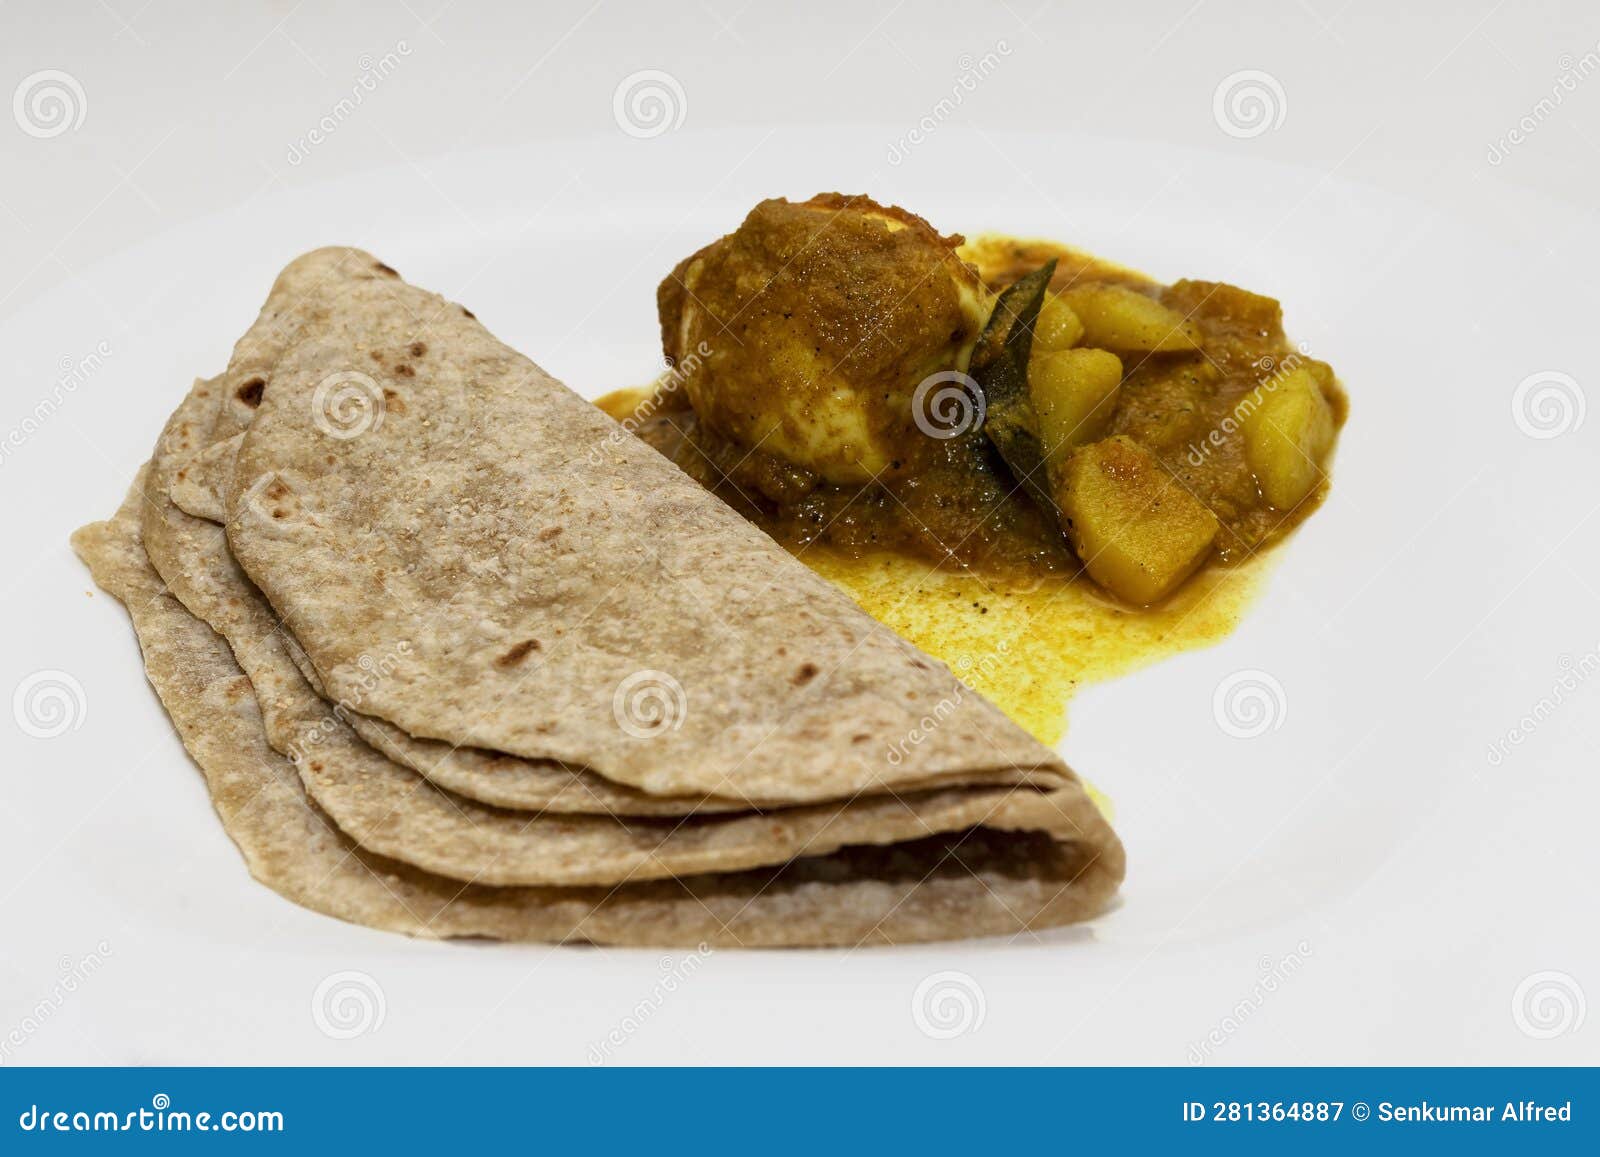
x=852, y=380
x=1045, y=469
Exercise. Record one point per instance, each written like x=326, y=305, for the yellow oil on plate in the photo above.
x=1030, y=648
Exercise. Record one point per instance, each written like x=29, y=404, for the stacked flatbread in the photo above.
x=460, y=657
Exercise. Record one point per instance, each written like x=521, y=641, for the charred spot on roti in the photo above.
x=418, y=349
x=806, y=673
x=250, y=391
x=386, y=270
x=404, y=370
x=393, y=403
x=518, y=653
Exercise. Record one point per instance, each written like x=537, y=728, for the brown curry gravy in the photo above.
x=958, y=562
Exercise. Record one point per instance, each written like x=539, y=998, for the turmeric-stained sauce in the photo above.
x=950, y=553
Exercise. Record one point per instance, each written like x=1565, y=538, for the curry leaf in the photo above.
x=1000, y=369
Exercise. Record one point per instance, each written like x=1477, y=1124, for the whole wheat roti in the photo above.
x=390, y=810
x=490, y=777
x=195, y=454
x=193, y=462
x=172, y=535
x=965, y=884
x=299, y=296
x=200, y=488
x=408, y=483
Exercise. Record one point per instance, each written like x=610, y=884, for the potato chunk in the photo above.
x=1058, y=328
x=1137, y=530
x=1118, y=318
x=1288, y=430
x=1073, y=392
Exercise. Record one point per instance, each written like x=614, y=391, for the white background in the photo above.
x=1446, y=589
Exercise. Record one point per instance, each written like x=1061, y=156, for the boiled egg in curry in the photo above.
x=823, y=317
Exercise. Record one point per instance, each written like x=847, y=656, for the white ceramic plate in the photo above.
x=1361, y=882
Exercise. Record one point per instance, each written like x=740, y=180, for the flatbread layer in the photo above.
x=409, y=486
x=391, y=810
x=978, y=882
x=192, y=467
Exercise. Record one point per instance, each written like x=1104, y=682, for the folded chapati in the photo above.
x=196, y=458
x=402, y=460
x=391, y=810
x=451, y=700
x=974, y=883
